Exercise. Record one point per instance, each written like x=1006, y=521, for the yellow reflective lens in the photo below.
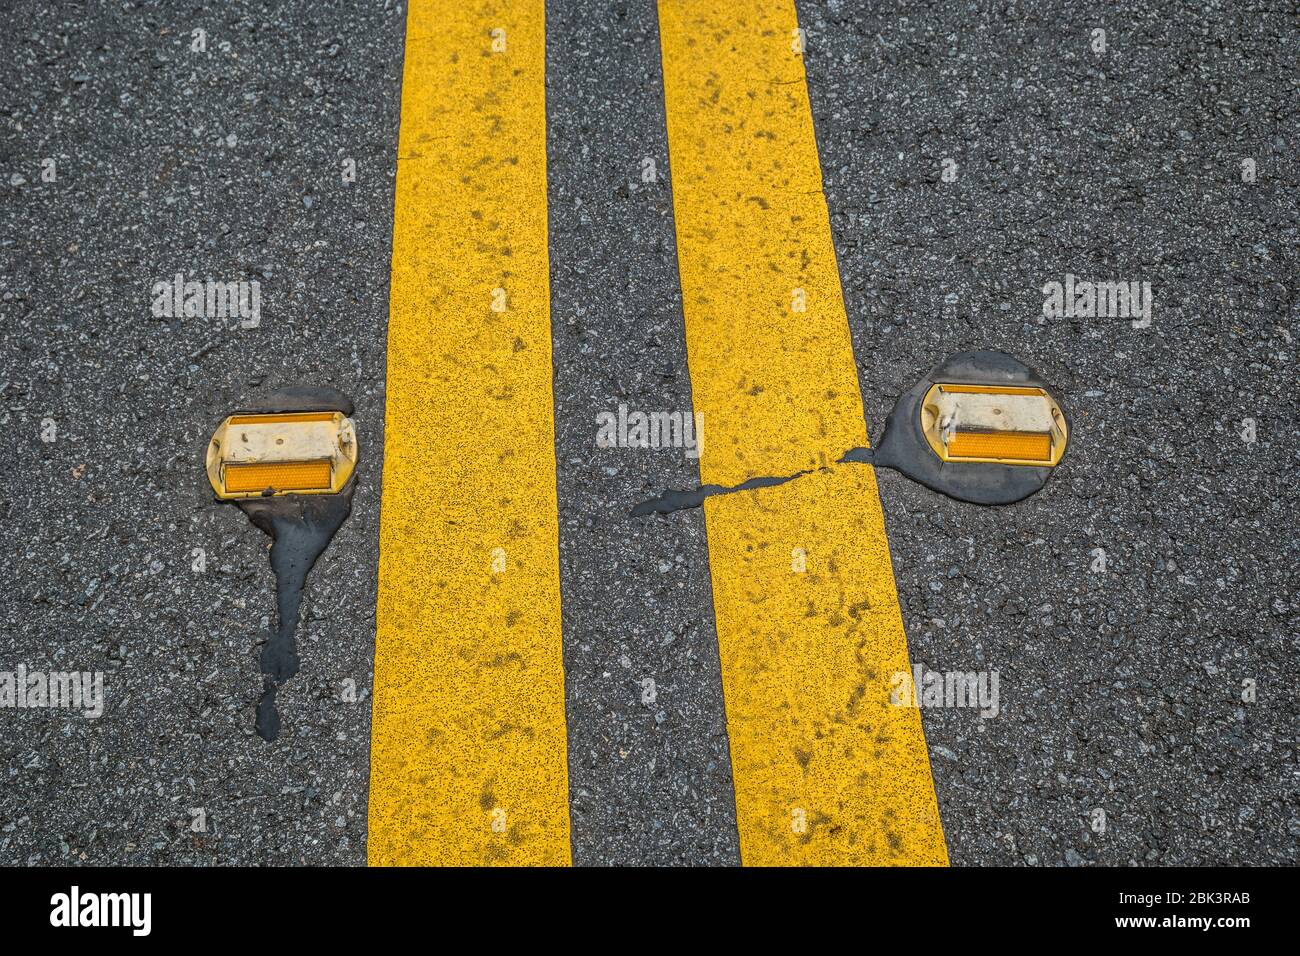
x=990, y=389
x=282, y=418
x=280, y=476
x=1014, y=446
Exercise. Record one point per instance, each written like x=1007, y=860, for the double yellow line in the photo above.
x=468, y=752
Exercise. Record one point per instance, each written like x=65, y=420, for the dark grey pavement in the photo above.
x=1121, y=691
x=224, y=164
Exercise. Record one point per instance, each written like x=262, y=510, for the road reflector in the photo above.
x=980, y=426
x=1006, y=425
x=299, y=453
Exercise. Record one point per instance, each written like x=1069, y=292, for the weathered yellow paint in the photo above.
x=468, y=753
x=826, y=770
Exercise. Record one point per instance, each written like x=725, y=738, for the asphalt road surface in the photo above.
x=1140, y=613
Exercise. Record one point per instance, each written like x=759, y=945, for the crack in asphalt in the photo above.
x=678, y=500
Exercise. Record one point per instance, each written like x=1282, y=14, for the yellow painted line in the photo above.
x=826, y=770
x=468, y=750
